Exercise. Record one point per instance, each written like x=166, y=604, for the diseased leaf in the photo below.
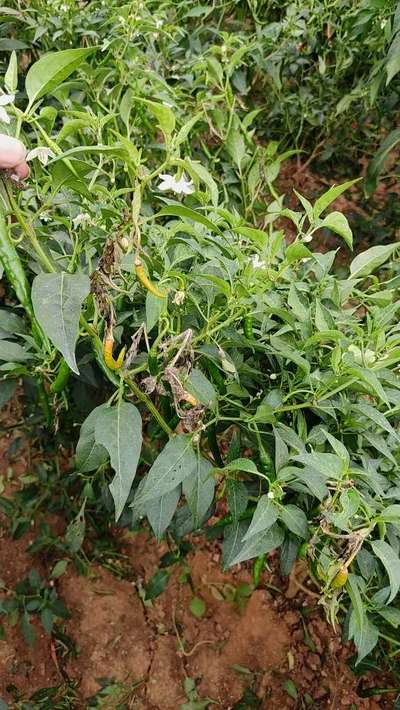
x=57, y=301
x=119, y=430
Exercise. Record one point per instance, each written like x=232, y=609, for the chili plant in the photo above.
x=228, y=364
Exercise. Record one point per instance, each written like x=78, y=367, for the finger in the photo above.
x=12, y=153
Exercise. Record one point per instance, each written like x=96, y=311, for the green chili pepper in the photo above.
x=213, y=444
x=265, y=462
x=258, y=567
x=248, y=327
x=216, y=376
x=152, y=362
x=303, y=549
x=62, y=378
x=13, y=267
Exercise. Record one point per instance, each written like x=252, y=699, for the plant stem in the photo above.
x=150, y=406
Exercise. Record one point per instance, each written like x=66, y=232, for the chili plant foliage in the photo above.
x=223, y=362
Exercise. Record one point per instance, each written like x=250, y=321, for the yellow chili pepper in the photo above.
x=111, y=363
x=144, y=279
x=341, y=578
x=190, y=399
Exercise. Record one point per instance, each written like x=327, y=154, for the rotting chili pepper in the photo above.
x=108, y=347
x=62, y=378
x=144, y=279
x=341, y=578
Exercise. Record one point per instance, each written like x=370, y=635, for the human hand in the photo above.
x=12, y=157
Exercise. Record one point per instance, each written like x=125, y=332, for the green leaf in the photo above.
x=119, y=430
x=188, y=213
x=198, y=489
x=186, y=128
x=237, y=497
x=391, y=514
x=13, y=352
x=338, y=223
x=232, y=544
x=47, y=619
x=75, y=533
x=163, y=114
x=27, y=630
x=197, y=607
x=366, y=262
x=370, y=379
x=200, y=386
x=157, y=584
x=364, y=633
x=295, y=520
x=245, y=465
x=296, y=251
x=176, y=462
x=196, y=169
x=377, y=164
x=393, y=59
x=377, y=417
x=235, y=144
x=51, y=70
x=155, y=307
x=259, y=544
x=330, y=195
x=57, y=301
x=265, y=515
x=10, y=322
x=11, y=75
x=330, y=465
x=89, y=454
x=59, y=569
x=160, y=511
x=391, y=563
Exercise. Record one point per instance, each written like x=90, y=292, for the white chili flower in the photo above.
x=180, y=187
x=179, y=298
x=273, y=376
x=257, y=263
x=41, y=153
x=159, y=23
x=307, y=238
x=82, y=220
x=5, y=100
x=270, y=495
